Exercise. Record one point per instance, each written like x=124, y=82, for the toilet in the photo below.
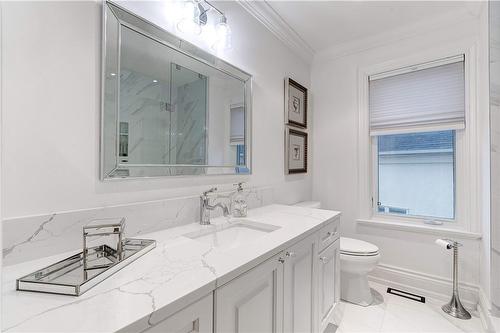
x=357, y=259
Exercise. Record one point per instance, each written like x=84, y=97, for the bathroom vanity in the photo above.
x=277, y=270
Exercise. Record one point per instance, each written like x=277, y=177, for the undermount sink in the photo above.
x=232, y=234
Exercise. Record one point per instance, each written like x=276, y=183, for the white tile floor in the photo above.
x=391, y=313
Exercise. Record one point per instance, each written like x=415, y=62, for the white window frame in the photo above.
x=467, y=155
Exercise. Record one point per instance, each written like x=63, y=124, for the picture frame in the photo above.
x=296, y=142
x=296, y=96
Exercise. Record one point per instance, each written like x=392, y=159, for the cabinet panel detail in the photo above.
x=196, y=318
x=299, y=286
x=252, y=302
x=328, y=281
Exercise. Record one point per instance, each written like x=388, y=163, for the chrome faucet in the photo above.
x=205, y=207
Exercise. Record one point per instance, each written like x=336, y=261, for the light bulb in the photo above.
x=222, y=35
x=208, y=32
x=190, y=18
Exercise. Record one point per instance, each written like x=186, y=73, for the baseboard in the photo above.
x=430, y=286
x=483, y=308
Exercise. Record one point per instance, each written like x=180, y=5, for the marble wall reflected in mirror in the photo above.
x=169, y=109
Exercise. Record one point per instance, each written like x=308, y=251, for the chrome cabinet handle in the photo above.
x=281, y=260
x=329, y=234
x=324, y=260
x=290, y=254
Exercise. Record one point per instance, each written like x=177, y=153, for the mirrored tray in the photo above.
x=68, y=277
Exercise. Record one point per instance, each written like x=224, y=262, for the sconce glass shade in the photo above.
x=190, y=18
x=222, y=35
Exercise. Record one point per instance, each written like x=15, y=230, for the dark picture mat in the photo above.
x=291, y=132
x=298, y=86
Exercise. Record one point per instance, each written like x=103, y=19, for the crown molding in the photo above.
x=266, y=15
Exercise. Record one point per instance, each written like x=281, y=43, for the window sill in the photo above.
x=423, y=229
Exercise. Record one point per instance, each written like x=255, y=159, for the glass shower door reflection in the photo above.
x=189, y=117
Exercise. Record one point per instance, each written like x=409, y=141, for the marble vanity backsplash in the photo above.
x=35, y=237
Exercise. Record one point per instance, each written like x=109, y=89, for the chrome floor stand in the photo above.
x=455, y=308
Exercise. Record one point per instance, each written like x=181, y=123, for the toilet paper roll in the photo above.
x=443, y=243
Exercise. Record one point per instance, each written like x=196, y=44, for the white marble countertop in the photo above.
x=176, y=273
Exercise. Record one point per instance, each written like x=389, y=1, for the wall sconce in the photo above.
x=194, y=16
x=190, y=18
x=222, y=35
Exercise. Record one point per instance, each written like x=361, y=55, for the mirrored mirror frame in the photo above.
x=150, y=30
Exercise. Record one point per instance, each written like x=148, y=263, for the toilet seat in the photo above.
x=359, y=254
x=357, y=247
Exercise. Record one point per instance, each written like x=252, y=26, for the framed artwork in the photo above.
x=295, y=151
x=295, y=104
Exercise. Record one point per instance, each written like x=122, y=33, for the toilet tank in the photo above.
x=309, y=204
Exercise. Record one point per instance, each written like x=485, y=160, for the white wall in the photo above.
x=335, y=182
x=495, y=155
x=51, y=106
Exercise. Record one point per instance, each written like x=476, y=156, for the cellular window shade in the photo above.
x=427, y=97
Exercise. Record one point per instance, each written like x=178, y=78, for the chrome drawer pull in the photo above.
x=333, y=234
x=329, y=235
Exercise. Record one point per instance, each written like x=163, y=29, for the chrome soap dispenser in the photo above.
x=239, y=206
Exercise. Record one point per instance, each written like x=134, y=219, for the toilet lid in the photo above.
x=357, y=247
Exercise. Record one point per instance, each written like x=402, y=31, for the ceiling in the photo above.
x=323, y=24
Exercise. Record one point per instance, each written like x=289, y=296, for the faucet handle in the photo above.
x=213, y=189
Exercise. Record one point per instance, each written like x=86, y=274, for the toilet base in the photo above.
x=355, y=289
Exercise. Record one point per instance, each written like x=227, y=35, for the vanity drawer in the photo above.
x=328, y=234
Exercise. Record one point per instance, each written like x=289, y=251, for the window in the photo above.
x=240, y=154
x=416, y=174
x=415, y=115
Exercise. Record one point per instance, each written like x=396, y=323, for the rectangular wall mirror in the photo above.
x=168, y=107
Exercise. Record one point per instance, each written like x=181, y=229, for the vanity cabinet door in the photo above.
x=328, y=282
x=197, y=317
x=300, y=287
x=253, y=302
